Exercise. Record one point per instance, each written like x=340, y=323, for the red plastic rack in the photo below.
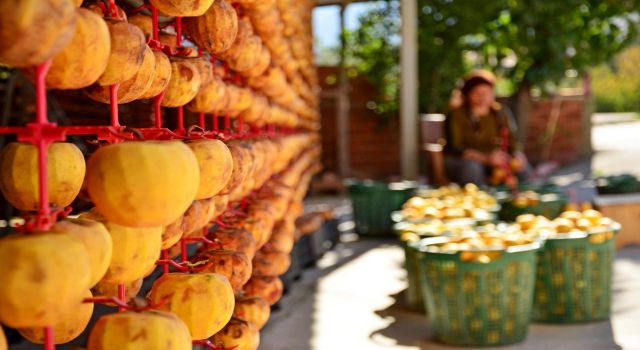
x=43, y=133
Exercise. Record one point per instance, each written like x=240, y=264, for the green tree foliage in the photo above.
x=530, y=42
x=549, y=37
x=442, y=26
x=373, y=50
x=616, y=86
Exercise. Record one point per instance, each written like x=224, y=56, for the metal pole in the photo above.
x=409, y=90
x=343, y=105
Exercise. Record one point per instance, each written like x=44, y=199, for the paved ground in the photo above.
x=608, y=118
x=354, y=299
x=617, y=148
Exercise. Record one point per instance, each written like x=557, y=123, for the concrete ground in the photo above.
x=612, y=118
x=354, y=298
x=617, y=148
x=616, y=151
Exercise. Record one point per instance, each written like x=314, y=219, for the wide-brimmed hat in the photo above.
x=475, y=78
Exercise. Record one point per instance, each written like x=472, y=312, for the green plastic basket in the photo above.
x=373, y=203
x=414, y=289
x=549, y=206
x=478, y=304
x=413, y=295
x=573, y=282
x=552, y=201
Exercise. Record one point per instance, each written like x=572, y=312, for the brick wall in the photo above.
x=374, y=146
x=567, y=143
x=374, y=142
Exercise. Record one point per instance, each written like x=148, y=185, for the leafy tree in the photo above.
x=442, y=28
x=616, y=86
x=530, y=42
x=373, y=50
x=549, y=37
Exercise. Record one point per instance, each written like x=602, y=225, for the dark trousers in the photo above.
x=464, y=171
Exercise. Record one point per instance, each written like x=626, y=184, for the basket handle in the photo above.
x=487, y=256
x=595, y=236
x=481, y=257
x=535, y=245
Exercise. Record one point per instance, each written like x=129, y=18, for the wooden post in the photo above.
x=409, y=90
x=343, y=105
x=588, y=108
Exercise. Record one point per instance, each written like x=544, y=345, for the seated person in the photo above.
x=476, y=132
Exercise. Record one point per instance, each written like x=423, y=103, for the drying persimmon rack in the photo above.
x=42, y=133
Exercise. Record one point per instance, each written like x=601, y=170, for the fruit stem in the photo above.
x=168, y=262
x=113, y=9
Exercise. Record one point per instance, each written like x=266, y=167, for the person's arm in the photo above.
x=477, y=156
x=453, y=137
x=454, y=124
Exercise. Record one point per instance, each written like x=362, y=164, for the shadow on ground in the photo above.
x=356, y=301
x=411, y=329
x=291, y=327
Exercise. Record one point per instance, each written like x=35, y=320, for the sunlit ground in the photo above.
x=618, y=148
x=353, y=300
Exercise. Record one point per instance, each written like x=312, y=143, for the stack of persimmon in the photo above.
x=149, y=195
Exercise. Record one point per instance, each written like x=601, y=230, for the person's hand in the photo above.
x=521, y=157
x=518, y=162
x=498, y=158
x=477, y=156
